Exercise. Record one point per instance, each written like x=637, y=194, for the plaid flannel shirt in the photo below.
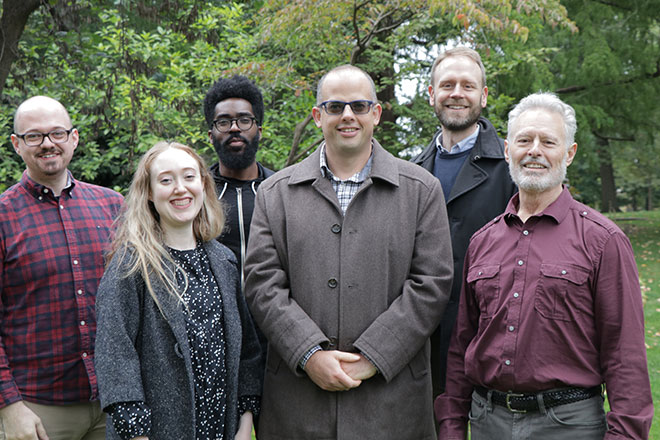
x=52, y=262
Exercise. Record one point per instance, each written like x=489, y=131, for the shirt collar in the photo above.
x=358, y=177
x=37, y=189
x=556, y=210
x=462, y=146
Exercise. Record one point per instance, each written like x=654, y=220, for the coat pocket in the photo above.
x=485, y=283
x=560, y=288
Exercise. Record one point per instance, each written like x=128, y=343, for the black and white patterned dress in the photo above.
x=206, y=337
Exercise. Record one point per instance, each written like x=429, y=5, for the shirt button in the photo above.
x=584, y=212
x=516, y=295
x=41, y=198
x=45, y=190
x=520, y=262
x=511, y=328
x=75, y=261
x=61, y=206
x=563, y=272
x=332, y=283
x=507, y=362
x=82, y=322
x=480, y=272
x=336, y=228
x=84, y=355
x=525, y=232
x=79, y=292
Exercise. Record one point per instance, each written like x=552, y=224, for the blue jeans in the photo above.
x=584, y=420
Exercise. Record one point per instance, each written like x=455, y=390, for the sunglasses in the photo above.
x=359, y=107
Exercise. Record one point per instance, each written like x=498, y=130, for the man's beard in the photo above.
x=537, y=184
x=458, y=124
x=236, y=160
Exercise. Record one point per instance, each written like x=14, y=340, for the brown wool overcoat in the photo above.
x=375, y=280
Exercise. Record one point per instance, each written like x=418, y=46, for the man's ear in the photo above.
x=316, y=114
x=571, y=154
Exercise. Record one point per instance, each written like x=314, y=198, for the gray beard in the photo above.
x=537, y=184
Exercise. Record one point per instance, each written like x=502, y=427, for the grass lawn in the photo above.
x=643, y=229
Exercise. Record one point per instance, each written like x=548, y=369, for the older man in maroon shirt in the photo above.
x=551, y=308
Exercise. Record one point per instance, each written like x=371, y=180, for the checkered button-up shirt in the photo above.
x=345, y=189
x=51, y=251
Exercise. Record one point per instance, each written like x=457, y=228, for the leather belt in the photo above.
x=524, y=402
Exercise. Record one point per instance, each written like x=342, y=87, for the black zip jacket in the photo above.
x=237, y=197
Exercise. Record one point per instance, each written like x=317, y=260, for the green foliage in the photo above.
x=132, y=73
x=129, y=80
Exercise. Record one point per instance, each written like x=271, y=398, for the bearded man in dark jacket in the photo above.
x=234, y=111
x=467, y=156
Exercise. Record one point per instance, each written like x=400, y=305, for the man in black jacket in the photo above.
x=234, y=111
x=467, y=156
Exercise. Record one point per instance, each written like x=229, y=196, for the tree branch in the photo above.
x=614, y=5
x=15, y=14
x=613, y=138
x=579, y=88
x=297, y=135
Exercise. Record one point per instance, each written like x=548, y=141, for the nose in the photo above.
x=457, y=90
x=347, y=113
x=46, y=142
x=535, y=149
x=178, y=186
x=234, y=125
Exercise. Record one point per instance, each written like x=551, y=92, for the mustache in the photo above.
x=539, y=160
x=235, y=136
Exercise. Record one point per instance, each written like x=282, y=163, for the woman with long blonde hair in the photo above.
x=176, y=352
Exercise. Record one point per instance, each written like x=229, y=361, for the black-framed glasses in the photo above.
x=244, y=123
x=35, y=138
x=359, y=107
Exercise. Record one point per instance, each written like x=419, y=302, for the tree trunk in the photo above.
x=15, y=14
x=608, y=187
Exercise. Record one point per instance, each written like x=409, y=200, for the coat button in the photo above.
x=332, y=283
x=336, y=228
x=332, y=343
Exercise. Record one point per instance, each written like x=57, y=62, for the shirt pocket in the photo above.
x=485, y=283
x=558, y=282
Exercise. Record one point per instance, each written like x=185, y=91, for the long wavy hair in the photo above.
x=138, y=240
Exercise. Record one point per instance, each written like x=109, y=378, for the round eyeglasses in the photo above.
x=359, y=107
x=35, y=139
x=244, y=123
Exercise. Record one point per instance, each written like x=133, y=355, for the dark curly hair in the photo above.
x=235, y=87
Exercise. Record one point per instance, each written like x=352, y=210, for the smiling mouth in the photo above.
x=534, y=166
x=348, y=129
x=181, y=202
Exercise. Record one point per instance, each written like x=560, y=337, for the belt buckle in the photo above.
x=508, y=403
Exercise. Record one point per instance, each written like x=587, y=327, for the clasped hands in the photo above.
x=335, y=370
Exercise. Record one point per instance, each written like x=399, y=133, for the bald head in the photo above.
x=45, y=107
x=348, y=70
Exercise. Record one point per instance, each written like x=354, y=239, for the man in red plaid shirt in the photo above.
x=53, y=231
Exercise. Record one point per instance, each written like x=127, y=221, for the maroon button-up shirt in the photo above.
x=51, y=262
x=552, y=302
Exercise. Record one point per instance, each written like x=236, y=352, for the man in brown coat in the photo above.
x=349, y=269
